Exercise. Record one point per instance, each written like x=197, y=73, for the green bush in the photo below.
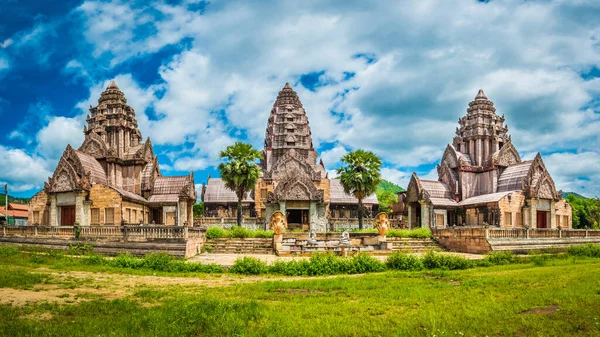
x=127, y=261
x=93, y=260
x=499, y=258
x=237, y=232
x=431, y=260
x=403, y=261
x=365, y=263
x=328, y=264
x=418, y=233
x=249, y=266
x=158, y=261
x=589, y=250
x=8, y=251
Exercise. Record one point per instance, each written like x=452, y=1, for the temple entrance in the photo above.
x=297, y=219
x=542, y=220
x=67, y=215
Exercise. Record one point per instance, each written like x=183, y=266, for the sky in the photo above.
x=392, y=77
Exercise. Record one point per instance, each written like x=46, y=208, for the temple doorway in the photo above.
x=67, y=215
x=542, y=219
x=297, y=219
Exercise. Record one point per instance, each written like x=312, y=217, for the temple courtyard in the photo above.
x=50, y=294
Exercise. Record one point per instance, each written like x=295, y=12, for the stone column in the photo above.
x=410, y=215
x=53, y=211
x=80, y=217
x=533, y=216
x=282, y=207
x=553, y=215
x=424, y=214
x=478, y=152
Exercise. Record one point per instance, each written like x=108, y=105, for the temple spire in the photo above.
x=287, y=96
x=481, y=96
x=112, y=85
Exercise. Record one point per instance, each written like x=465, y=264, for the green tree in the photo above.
x=360, y=175
x=386, y=199
x=239, y=171
x=198, y=209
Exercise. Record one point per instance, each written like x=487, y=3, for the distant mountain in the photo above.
x=16, y=200
x=386, y=186
x=576, y=195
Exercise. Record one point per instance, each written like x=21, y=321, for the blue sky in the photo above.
x=391, y=78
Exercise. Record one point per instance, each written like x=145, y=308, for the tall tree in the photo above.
x=360, y=175
x=239, y=171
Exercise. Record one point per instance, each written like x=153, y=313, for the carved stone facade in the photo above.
x=483, y=181
x=113, y=177
x=292, y=180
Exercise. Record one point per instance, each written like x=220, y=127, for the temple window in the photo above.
x=134, y=218
x=291, y=143
x=95, y=216
x=519, y=220
x=128, y=215
x=36, y=217
x=507, y=219
x=109, y=216
x=500, y=145
x=263, y=194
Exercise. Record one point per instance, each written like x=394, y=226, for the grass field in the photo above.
x=44, y=296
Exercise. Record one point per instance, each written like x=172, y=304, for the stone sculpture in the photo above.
x=345, y=241
x=382, y=223
x=312, y=237
x=278, y=222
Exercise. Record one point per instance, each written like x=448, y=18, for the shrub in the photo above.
x=499, y=258
x=589, y=250
x=364, y=263
x=8, y=251
x=126, y=261
x=237, y=232
x=418, y=233
x=403, y=261
x=158, y=261
x=215, y=233
x=249, y=266
x=290, y=268
x=431, y=260
x=93, y=260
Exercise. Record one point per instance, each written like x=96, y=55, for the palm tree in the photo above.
x=360, y=176
x=239, y=171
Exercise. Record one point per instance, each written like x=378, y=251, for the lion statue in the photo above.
x=382, y=223
x=278, y=222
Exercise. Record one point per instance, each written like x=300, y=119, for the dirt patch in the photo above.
x=299, y=291
x=549, y=310
x=46, y=316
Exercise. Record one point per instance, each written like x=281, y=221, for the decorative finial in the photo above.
x=287, y=85
x=112, y=85
x=480, y=95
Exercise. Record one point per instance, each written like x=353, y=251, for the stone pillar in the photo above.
x=424, y=215
x=552, y=215
x=53, y=211
x=282, y=207
x=410, y=215
x=79, y=209
x=479, y=158
x=533, y=216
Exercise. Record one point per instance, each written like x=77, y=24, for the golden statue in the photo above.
x=278, y=222
x=382, y=223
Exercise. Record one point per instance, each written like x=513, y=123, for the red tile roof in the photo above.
x=14, y=213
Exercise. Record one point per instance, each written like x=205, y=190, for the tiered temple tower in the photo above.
x=481, y=132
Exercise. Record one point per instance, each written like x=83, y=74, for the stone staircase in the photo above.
x=410, y=245
x=239, y=246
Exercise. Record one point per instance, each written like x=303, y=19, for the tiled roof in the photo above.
x=146, y=175
x=217, y=192
x=483, y=199
x=130, y=154
x=166, y=198
x=22, y=207
x=338, y=196
x=443, y=202
x=512, y=177
x=130, y=195
x=15, y=213
x=170, y=185
x=89, y=163
x=436, y=189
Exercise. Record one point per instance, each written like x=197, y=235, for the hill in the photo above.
x=385, y=185
x=576, y=195
x=386, y=194
x=16, y=200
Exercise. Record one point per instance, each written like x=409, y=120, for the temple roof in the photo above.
x=481, y=96
x=513, y=176
x=90, y=164
x=286, y=96
x=338, y=196
x=484, y=199
x=170, y=185
x=129, y=195
x=436, y=189
x=217, y=192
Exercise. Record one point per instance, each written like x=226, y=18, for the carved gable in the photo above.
x=450, y=157
x=94, y=146
x=297, y=188
x=506, y=156
x=413, y=192
x=291, y=164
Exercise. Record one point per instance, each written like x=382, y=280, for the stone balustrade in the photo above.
x=106, y=232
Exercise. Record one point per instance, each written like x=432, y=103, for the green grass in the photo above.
x=237, y=232
x=559, y=299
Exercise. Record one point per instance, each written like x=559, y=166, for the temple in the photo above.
x=483, y=181
x=113, y=178
x=292, y=179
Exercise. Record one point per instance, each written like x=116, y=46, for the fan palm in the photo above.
x=239, y=171
x=360, y=175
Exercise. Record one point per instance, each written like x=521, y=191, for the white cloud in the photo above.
x=332, y=157
x=6, y=43
x=54, y=137
x=575, y=172
x=22, y=171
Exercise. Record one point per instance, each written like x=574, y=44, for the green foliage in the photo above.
x=237, y=232
x=403, y=261
x=248, y=265
x=385, y=185
x=586, y=211
x=432, y=260
x=328, y=264
x=8, y=251
x=589, y=250
x=360, y=175
x=19, y=279
x=386, y=199
x=417, y=233
x=80, y=248
x=93, y=260
x=239, y=171
x=161, y=262
x=16, y=200
x=499, y=258
x=198, y=209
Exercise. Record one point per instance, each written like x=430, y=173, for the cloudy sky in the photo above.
x=388, y=76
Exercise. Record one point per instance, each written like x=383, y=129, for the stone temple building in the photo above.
x=483, y=181
x=292, y=180
x=113, y=178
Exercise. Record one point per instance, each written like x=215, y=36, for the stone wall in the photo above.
x=39, y=203
x=512, y=207
x=106, y=199
x=134, y=213
x=564, y=214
